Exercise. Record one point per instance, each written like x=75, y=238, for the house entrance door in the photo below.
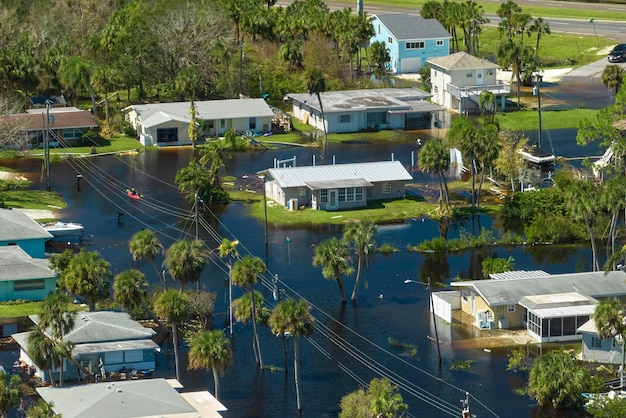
x=479, y=77
x=332, y=200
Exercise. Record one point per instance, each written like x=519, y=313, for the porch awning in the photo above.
x=113, y=346
x=564, y=311
x=335, y=184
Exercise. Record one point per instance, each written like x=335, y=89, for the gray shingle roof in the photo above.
x=16, y=225
x=103, y=326
x=16, y=264
x=131, y=398
x=404, y=26
x=510, y=291
x=156, y=113
x=321, y=174
x=462, y=60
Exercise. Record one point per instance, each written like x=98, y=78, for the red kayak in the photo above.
x=133, y=194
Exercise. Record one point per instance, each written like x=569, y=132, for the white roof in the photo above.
x=358, y=174
x=518, y=274
x=154, y=114
x=16, y=225
x=16, y=264
x=557, y=305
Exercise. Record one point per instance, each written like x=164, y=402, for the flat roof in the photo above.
x=557, y=305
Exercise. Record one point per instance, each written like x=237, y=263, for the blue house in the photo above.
x=104, y=342
x=24, y=277
x=16, y=228
x=411, y=40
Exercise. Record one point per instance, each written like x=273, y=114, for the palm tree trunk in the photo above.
x=80, y=367
x=175, y=340
x=358, y=277
x=473, y=163
x=255, y=341
x=51, y=371
x=296, y=372
x=216, y=382
x=61, y=372
x=340, y=285
x=594, y=250
x=319, y=99
x=480, y=185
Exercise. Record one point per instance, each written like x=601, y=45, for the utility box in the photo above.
x=292, y=205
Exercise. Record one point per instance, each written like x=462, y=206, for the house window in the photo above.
x=510, y=308
x=469, y=74
x=344, y=118
x=358, y=194
x=350, y=194
x=386, y=187
x=210, y=124
x=440, y=43
x=167, y=135
x=252, y=123
x=301, y=191
x=35, y=284
x=489, y=72
x=374, y=119
x=464, y=295
x=222, y=123
x=342, y=195
x=324, y=196
x=390, y=40
x=596, y=342
x=415, y=45
x=435, y=89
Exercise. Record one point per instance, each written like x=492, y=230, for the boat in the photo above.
x=133, y=194
x=590, y=398
x=64, y=229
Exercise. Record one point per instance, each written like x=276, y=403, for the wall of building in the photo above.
x=33, y=247
x=9, y=292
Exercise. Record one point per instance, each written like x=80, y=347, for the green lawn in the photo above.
x=528, y=120
x=17, y=310
x=32, y=199
x=104, y=146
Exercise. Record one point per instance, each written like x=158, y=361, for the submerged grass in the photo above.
x=32, y=199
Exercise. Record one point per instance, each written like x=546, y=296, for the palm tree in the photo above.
x=246, y=272
x=185, y=260
x=293, y=317
x=487, y=103
x=87, y=275
x=333, y=255
x=514, y=54
x=210, y=350
x=228, y=249
x=40, y=409
x=614, y=200
x=486, y=152
x=361, y=236
x=9, y=393
x=41, y=351
x=610, y=321
x=385, y=400
x=463, y=135
x=540, y=28
x=316, y=84
x=129, y=289
x=612, y=77
x=435, y=157
x=174, y=306
x=145, y=245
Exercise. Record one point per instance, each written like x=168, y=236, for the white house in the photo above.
x=596, y=349
x=366, y=110
x=168, y=123
x=458, y=79
x=411, y=40
x=336, y=186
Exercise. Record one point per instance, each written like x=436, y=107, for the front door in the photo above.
x=332, y=200
x=479, y=77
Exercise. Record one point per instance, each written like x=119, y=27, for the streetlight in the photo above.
x=432, y=308
x=288, y=240
x=594, y=27
x=537, y=91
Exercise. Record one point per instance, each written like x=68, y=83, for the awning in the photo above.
x=335, y=184
x=113, y=346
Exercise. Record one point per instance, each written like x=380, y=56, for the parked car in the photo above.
x=618, y=54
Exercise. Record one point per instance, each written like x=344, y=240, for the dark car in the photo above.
x=618, y=54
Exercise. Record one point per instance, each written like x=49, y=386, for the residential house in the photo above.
x=168, y=123
x=457, y=80
x=550, y=307
x=367, y=110
x=104, y=342
x=17, y=228
x=597, y=349
x=131, y=398
x=336, y=186
x=411, y=40
x=24, y=277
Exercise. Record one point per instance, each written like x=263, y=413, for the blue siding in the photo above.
x=34, y=247
x=8, y=292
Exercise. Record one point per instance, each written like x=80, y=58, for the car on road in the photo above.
x=618, y=54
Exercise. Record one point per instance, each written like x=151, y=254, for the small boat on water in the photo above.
x=133, y=194
x=64, y=229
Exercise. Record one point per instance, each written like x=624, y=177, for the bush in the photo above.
x=554, y=229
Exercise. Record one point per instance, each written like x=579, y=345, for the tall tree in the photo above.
x=40, y=409
x=386, y=401
x=210, y=350
x=486, y=152
x=246, y=273
x=173, y=306
x=541, y=28
x=510, y=162
x=333, y=255
x=74, y=74
x=487, y=103
x=435, y=157
x=9, y=393
x=610, y=321
x=316, y=84
x=185, y=260
x=41, y=351
x=613, y=199
x=130, y=289
x=87, y=275
x=464, y=135
x=228, y=250
x=293, y=317
x=613, y=77
x=361, y=236
x=516, y=55
x=145, y=245
x=381, y=57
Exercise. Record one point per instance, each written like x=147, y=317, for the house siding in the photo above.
x=8, y=291
x=33, y=247
x=609, y=351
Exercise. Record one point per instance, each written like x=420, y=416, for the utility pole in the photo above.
x=432, y=307
x=46, y=146
x=277, y=299
x=537, y=91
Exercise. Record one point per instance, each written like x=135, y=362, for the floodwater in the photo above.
x=350, y=345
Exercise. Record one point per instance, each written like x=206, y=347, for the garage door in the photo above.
x=409, y=65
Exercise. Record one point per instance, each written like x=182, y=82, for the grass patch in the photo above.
x=528, y=120
x=461, y=365
x=18, y=308
x=116, y=144
x=32, y=199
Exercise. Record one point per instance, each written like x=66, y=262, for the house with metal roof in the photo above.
x=17, y=228
x=24, y=277
x=457, y=80
x=551, y=307
x=104, y=342
x=168, y=123
x=336, y=186
x=366, y=110
x=597, y=349
x=131, y=398
x=411, y=40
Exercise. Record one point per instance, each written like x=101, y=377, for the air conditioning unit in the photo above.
x=482, y=319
